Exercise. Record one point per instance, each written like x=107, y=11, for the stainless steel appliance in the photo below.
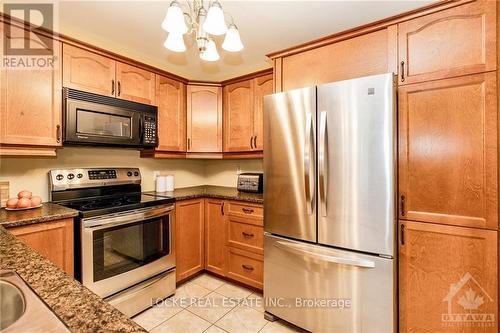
x=250, y=182
x=124, y=241
x=91, y=119
x=330, y=215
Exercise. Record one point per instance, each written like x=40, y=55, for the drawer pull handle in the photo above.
x=247, y=211
x=247, y=267
x=247, y=235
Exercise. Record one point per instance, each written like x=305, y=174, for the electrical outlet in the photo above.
x=238, y=169
x=156, y=174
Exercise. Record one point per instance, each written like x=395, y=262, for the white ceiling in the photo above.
x=132, y=28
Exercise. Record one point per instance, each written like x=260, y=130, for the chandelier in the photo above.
x=203, y=25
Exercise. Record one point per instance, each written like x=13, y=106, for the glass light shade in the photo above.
x=232, y=41
x=210, y=53
x=174, y=20
x=175, y=42
x=215, y=24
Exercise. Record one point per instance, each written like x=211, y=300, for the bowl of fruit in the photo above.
x=25, y=200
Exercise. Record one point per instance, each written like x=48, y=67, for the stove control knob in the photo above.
x=129, y=173
x=136, y=173
x=59, y=177
x=71, y=176
x=79, y=175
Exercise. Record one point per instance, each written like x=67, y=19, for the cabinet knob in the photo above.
x=247, y=267
x=402, y=71
x=247, y=235
x=58, y=133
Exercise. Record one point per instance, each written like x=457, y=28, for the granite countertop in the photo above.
x=209, y=191
x=76, y=306
x=48, y=212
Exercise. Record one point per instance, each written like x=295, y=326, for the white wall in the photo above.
x=31, y=173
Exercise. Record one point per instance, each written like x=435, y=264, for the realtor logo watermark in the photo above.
x=465, y=301
x=28, y=45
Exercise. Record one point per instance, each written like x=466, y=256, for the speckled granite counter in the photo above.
x=76, y=306
x=48, y=212
x=218, y=192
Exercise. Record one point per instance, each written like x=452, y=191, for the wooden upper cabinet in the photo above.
x=238, y=116
x=441, y=270
x=88, y=71
x=135, y=84
x=367, y=54
x=189, y=238
x=30, y=100
x=453, y=42
x=263, y=86
x=204, y=119
x=448, y=151
x=215, y=236
x=171, y=100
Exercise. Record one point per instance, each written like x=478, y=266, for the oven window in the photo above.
x=122, y=248
x=100, y=123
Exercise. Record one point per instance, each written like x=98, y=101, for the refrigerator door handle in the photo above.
x=307, y=163
x=323, y=257
x=323, y=182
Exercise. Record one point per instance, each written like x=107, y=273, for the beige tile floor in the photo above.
x=209, y=304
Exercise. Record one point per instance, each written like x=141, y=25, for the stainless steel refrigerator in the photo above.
x=329, y=206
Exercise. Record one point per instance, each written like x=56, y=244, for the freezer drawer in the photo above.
x=353, y=292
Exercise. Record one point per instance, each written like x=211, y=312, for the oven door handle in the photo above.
x=129, y=217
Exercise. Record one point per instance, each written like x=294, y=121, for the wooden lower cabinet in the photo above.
x=53, y=240
x=215, y=235
x=447, y=278
x=246, y=267
x=189, y=238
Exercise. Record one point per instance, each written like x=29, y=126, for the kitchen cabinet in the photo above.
x=245, y=267
x=171, y=100
x=215, y=235
x=53, y=240
x=243, y=113
x=204, y=119
x=30, y=103
x=446, y=270
x=448, y=151
x=453, y=42
x=189, y=238
x=135, y=84
x=88, y=71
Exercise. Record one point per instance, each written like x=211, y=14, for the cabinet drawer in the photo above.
x=246, y=267
x=246, y=210
x=245, y=236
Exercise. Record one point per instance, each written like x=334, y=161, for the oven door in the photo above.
x=123, y=249
x=99, y=124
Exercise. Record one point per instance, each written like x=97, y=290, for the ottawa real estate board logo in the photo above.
x=27, y=41
x=466, y=301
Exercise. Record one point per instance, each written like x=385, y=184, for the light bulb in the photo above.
x=215, y=24
x=175, y=42
x=232, y=41
x=174, y=20
x=210, y=54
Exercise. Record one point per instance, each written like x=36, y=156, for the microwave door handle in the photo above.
x=141, y=129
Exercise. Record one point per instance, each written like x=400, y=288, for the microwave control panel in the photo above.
x=149, y=130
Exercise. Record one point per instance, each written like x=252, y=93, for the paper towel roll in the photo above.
x=161, y=183
x=169, y=183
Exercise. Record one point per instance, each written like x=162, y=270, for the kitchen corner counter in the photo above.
x=209, y=191
x=48, y=212
x=76, y=306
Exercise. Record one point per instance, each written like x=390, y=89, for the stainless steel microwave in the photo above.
x=92, y=119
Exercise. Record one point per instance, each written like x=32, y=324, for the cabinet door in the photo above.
x=30, y=99
x=87, y=71
x=238, y=117
x=53, y=240
x=204, y=119
x=262, y=86
x=135, y=84
x=189, y=238
x=171, y=99
x=448, y=151
x=215, y=239
x=447, y=279
x=452, y=42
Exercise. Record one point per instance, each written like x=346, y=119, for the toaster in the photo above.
x=250, y=182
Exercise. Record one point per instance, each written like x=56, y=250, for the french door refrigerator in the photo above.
x=329, y=206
